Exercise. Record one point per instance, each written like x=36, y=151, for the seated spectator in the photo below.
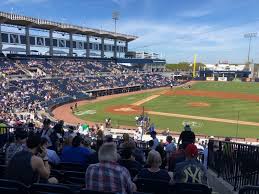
x=26, y=166
x=154, y=172
x=191, y=170
x=187, y=136
x=17, y=146
x=128, y=160
x=107, y=175
x=161, y=151
x=176, y=157
x=52, y=155
x=138, y=154
x=76, y=153
x=126, y=140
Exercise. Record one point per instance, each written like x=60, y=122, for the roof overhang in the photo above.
x=14, y=19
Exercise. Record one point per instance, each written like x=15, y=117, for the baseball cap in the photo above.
x=191, y=150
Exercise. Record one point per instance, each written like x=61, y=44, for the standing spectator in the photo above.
x=187, y=136
x=26, y=166
x=191, y=170
x=170, y=146
x=155, y=140
x=107, y=175
x=17, y=146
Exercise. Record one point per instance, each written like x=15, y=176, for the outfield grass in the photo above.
x=219, y=108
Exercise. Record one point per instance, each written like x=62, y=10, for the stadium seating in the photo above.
x=152, y=186
x=249, y=190
x=188, y=188
x=50, y=188
x=12, y=187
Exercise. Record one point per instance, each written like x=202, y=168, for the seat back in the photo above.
x=189, y=188
x=72, y=177
x=11, y=187
x=39, y=188
x=66, y=166
x=152, y=186
x=249, y=190
x=3, y=171
x=85, y=191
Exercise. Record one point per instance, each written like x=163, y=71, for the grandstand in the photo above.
x=31, y=85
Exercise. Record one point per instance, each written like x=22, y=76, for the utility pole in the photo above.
x=250, y=36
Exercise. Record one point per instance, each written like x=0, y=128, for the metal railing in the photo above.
x=236, y=163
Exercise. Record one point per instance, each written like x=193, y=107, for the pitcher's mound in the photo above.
x=199, y=104
x=125, y=109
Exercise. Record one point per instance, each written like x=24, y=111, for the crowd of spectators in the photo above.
x=60, y=78
x=111, y=165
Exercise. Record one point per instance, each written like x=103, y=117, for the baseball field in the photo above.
x=211, y=108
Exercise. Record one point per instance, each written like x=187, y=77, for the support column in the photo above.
x=71, y=44
x=115, y=49
x=87, y=46
x=27, y=35
x=1, y=43
x=51, y=43
x=126, y=47
x=102, y=50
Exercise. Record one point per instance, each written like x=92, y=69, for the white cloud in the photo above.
x=195, y=13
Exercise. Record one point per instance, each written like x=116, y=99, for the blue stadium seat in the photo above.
x=85, y=191
x=188, y=188
x=39, y=188
x=67, y=166
x=12, y=187
x=249, y=190
x=72, y=177
x=152, y=186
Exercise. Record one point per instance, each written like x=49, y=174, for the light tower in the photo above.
x=250, y=36
x=115, y=17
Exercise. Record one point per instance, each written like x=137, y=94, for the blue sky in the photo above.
x=212, y=29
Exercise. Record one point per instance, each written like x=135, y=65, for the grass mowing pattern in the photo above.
x=219, y=108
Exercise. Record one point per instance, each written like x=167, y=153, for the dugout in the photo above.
x=211, y=75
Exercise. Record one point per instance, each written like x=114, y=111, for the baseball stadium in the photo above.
x=83, y=111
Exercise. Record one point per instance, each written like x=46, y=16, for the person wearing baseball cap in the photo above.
x=191, y=170
x=187, y=136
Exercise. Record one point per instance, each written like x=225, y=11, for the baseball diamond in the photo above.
x=214, y=108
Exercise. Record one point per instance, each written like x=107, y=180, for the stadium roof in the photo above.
x=14, y=19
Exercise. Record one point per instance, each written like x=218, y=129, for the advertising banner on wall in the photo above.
x=222, y=79
x=210, y=78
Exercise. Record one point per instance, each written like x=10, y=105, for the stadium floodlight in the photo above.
x=115, y=17
x=250, y=36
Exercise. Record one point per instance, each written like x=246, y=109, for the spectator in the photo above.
x=156, y=142
x=107, y=175
x=53, y=158
x=128, y=160
x=176, y=157
x=170, y=146
x=17, y=146
x=161, y=151
x=76, y=153
x=154, y=172
x=26, y=166
x=191, y=170
x=187, y=136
